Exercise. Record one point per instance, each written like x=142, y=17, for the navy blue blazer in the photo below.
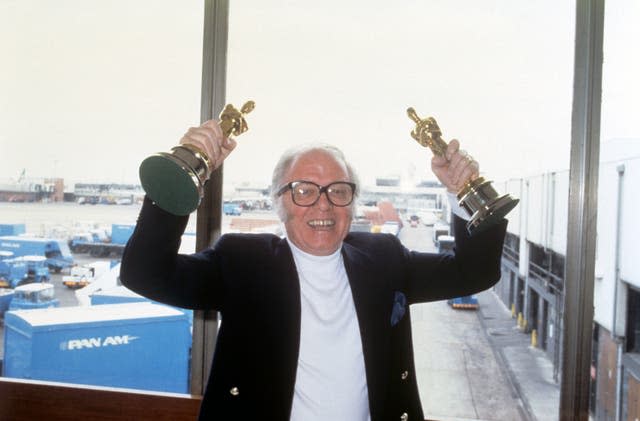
x=251, y=279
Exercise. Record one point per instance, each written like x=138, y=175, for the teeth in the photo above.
x=322, y=223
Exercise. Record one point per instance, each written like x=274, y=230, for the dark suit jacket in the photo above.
x=251, y=280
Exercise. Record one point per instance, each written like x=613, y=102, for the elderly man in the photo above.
x=315, y=326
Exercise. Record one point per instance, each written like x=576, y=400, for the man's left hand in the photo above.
x=456, y=168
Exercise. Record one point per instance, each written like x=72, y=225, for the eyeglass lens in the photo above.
x=306, y=194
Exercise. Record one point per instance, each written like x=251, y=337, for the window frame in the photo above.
x=209, y=213
x=29, y=399
x=582, y=213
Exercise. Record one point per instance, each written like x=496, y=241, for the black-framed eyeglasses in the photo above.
x=307, y=193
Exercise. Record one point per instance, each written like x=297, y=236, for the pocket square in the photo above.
x=399, y=307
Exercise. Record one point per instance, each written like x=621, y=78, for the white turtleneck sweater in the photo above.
x=331, y=383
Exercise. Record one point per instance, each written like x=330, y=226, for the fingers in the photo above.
x=469, y=171
x=462, y=168
x=456, y=168
x=204, y=139
x=439, y=162
x=228, y=146
x=209, y=139
x=452, y=148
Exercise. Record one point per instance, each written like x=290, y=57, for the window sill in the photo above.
x=35, y=400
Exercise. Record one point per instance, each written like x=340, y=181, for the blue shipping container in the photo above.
x=12, y=229
x=56, y=251
x=121, y=294
x=135, y=345
x=116, y=295
x=120, y=233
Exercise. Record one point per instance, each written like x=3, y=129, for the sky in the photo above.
x=90, y=88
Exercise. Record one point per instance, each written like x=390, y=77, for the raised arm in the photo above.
x=474, y=266
x=151, y=264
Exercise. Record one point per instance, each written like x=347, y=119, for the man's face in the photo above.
x=317, y=229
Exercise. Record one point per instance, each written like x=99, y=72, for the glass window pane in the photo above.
x=616, y=358
x=345, y=73
x=89, y=88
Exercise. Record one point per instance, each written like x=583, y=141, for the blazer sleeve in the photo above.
x=474, y=266
x=152, y=266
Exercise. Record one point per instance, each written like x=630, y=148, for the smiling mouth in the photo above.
x=321, y=223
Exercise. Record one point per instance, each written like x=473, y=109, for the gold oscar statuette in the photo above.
x=477, y=197
x=175, y=180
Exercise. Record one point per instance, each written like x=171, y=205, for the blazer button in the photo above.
x=404, y=417
x=234, y=391
x=404, y=375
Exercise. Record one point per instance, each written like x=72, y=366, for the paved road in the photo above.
x=459, y=375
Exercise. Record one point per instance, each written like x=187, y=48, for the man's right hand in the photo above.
x=209, y=139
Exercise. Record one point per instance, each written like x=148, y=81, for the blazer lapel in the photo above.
x=373, y=298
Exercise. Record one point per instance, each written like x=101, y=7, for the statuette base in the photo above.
x=171, y=181
x=175, y=180
x=477, y=197
x=483, y=203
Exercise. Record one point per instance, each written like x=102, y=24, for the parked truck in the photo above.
x=6, y=295
x=37, y=268
x=13, y=273
x=97, y=244
x=33, y=296
x=230, y=208
x=468, y=302
x=82, y=275
x=133, y=345
x=438, y=231
x=57, y=253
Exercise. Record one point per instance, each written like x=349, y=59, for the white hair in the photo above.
x=288, y=158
